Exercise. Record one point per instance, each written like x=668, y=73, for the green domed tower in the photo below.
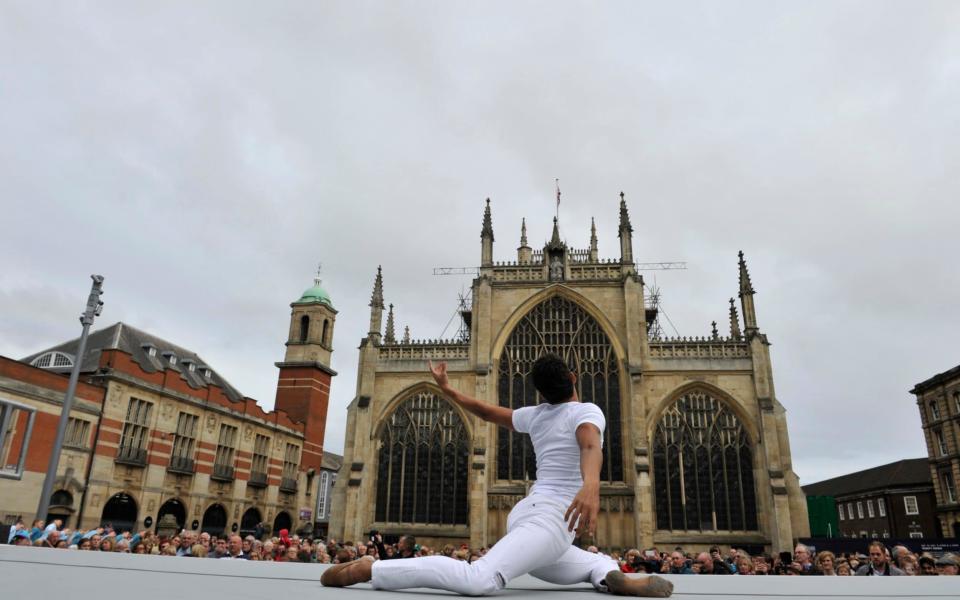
x=303, y=390
x=311, y=326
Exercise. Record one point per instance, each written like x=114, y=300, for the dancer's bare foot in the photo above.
x=650, y=586
x=349, y=573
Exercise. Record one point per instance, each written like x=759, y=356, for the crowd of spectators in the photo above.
x=879, y=560
x=284, y=547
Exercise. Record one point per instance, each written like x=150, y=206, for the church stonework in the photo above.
x=696, y=450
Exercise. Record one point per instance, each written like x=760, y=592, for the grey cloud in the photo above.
x=205, y=157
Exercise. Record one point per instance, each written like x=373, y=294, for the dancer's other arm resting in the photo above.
x=498, y=415
x=585, y=507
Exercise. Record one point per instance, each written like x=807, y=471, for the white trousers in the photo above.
x=537, y=542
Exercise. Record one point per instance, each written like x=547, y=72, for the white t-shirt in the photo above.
x=553, y=431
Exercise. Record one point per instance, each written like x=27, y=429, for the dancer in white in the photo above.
x=567, y=441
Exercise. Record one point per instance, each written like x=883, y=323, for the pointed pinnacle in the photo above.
x=523, y=232
x=713, y=330
x=376, y=299
x=734, y=322
x=406, y=334
x=746, y=287
x=555, y=238
x=624, y=216
x=390, y=336
x=487, y=230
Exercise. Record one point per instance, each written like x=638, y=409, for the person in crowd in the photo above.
x=802, y=560
x=744, y=565
x=220, y=549
x=198, y=551
x=677, y=564
x=908, y=564
x=843, y=568
x=567, y=439
x=928, y=565
x=234, y=548
x=762, y=565
x=705, y=564
x=186, y=543
x=826, y=563
x=948, y=564
x=878, y=563
x=631, y=561
x=19, y=525
x=406, y=547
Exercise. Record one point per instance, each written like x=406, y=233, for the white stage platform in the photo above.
x=44, y=574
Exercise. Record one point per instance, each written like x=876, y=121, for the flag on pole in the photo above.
x=558, y=193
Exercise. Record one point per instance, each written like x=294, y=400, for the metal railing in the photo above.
x=128, y=455
x=222, y=473
x=181, y=464
x=257, y=479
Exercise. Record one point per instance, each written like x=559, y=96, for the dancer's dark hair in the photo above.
x=551, y=377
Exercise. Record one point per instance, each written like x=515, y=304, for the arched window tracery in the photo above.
x=422, y=468
x=703, y=467
x=558, y=325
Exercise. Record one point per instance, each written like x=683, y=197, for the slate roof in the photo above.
x=331, y=461
x=937, y=379
x=135, y=342
x=910, y=472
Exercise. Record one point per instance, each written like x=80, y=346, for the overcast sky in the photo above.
x=205, y=156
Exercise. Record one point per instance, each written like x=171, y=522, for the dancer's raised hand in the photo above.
x=439, y=373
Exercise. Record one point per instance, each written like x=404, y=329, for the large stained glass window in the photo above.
x=703, y=468
x=422, y=471
x=561, y=326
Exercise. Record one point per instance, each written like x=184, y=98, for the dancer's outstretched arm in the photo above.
x=498, y=415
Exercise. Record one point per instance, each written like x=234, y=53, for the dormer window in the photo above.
x=52, y=360
x=150, y=349
x=170, y=357
x=191, y=364
x=206, y=372
x=193, y=367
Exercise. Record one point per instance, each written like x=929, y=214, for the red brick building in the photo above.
x=160, y=439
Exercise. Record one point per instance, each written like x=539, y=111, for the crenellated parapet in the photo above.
x=425, y=350
x=698, y=347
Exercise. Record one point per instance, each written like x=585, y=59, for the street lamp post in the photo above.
x=94, y=306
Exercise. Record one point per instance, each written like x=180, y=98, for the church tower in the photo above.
x=303, y=389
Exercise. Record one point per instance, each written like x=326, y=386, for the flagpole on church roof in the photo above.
x=558, y=199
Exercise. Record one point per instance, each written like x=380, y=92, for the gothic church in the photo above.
x=696, y=450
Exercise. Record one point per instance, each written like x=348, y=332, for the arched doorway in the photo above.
x=120, y=512
x=214, y=520
x=61, y=507
x=251, y=518
x=172, y=516
x=282, y=521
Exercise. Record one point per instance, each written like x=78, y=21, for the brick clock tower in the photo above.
x=303, y=390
